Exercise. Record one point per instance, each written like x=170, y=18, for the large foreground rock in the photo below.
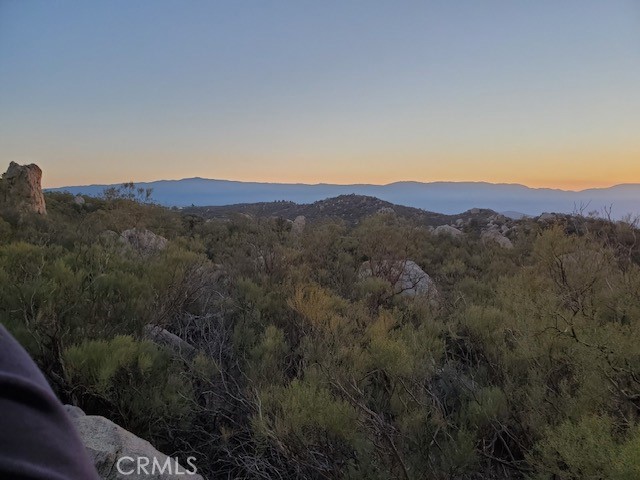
x=406, y=276
x=21, y=188
x=143, y=241
x=108, y=444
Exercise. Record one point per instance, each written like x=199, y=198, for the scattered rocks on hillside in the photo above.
x=406, y=276
x=143, y=241
x=386, y=211
x=22, y=189
x=447, y=230
x=107, y=443
x=494, y=235
x=298, y=225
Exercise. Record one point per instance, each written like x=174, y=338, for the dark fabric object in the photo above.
x=37, y=439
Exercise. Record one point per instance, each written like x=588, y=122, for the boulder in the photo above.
x=406, y=276
x=78, y=200
x=494, y=235
x=297, y=227
x=119, y=454
x=21, y=188
x=143, y=241
x=548, y=217
x=448, y=230
x=164, y=337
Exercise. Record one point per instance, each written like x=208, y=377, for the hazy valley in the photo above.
x=442, y=197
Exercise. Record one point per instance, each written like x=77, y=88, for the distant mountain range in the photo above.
x=442, y=197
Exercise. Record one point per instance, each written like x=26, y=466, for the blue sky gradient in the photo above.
x=542, y=93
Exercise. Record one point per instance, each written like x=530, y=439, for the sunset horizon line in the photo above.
x=356, y=183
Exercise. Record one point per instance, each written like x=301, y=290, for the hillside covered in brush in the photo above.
x=360, y=344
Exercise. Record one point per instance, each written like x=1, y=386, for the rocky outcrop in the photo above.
x=495, y=236
x=447, y=230
x=406, y=276
x=120, y=455
x=143, y=241
x=22, y=189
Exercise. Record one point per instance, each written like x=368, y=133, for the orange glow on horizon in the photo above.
x=560, y=170
x=569, y=185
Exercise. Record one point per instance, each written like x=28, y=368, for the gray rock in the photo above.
x=116, y=452
x=297, y=227
x=143, y=241
x=78, y=200
x=447, y=230
x=163, y=337
x=406, y=276
x=494, y=235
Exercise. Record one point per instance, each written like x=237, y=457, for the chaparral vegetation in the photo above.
x=375, y=349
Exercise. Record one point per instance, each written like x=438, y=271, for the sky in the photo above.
x=543, y=93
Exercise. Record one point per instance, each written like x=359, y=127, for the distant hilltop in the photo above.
x=442, y=197
x=352, y=209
